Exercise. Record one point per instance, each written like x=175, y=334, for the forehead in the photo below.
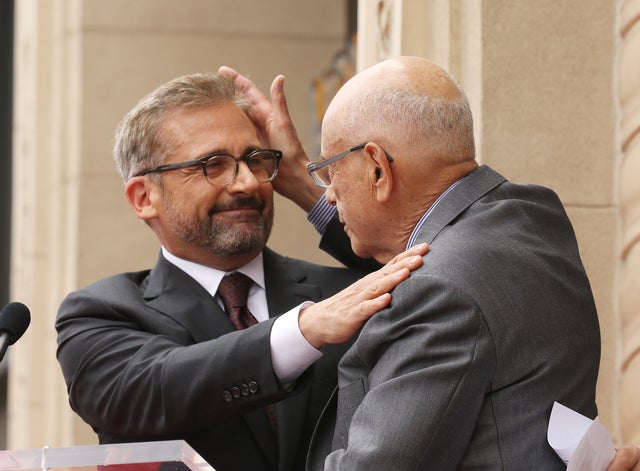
x=338, y=126
x=331, y=140
x=221, y=127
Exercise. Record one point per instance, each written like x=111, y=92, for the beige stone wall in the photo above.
x=629, y=292
x=541, y=78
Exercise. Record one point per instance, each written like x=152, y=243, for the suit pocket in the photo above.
x=349, y=398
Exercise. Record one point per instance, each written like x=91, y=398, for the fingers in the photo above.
x=418, y=249
x=369, y=307
x=399, y=266
x=277, y=91
x=383, y=282
x=279, y=101
x=228, y=71
x=282, y=122
x=259, y=108
x=392, y=274
x=626, y=459
x=339, y=317
x=276, y=131
x=293, y=181
x=242, y=83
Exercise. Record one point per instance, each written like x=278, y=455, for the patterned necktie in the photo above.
x=234, y=293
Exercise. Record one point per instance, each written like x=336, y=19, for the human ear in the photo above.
x=141, y=194
x=382, y=178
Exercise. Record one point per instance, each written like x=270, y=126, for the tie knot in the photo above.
x=234, y=290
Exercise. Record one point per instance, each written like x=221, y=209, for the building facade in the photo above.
x=554, y=87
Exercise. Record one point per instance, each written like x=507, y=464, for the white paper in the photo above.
x=582, y=443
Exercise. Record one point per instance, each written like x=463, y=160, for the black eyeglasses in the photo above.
x=319, y=171
x=222, y=169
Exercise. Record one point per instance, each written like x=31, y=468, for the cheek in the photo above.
x=266, y=194
x=346, y=195
x=200, y=199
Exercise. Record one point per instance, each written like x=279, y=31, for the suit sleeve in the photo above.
x=129, y=376
x=413, y=385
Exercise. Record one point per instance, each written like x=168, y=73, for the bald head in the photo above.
x=408, y=104
x=411, y=74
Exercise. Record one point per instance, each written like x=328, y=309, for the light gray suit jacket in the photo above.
x=151, y=356
x=461, y=371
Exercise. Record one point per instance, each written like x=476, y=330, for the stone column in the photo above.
x=45, y=161
x=629, y=180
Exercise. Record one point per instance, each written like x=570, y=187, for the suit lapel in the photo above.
x=469, y=190
x=171, y=292
x=286, y=285
x=175, y=294
x=320, y=446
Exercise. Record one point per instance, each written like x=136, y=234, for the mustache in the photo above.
x=249, y=202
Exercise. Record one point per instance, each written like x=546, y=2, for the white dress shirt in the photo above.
x=291, y=354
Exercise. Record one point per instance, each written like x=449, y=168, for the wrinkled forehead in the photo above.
x=332, y=127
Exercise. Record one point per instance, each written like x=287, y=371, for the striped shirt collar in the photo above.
x=423, y=219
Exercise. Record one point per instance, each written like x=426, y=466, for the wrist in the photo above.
x=308, y=327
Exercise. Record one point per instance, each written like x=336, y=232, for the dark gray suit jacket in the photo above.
x=461, y=371
x=151, y=356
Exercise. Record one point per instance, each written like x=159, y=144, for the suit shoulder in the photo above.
x=120, y=280
x=123, y=287
x=313, y=270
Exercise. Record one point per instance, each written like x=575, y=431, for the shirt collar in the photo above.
x=416, y=230
x=209, y=278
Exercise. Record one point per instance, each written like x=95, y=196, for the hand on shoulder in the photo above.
x=626, y=459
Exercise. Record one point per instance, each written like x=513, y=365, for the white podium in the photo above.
x=147, y=456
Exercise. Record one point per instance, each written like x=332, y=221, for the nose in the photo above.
x=330, y=196
x=246, y=181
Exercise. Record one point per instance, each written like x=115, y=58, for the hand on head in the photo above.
x=276, y=130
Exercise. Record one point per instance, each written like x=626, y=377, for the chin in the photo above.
x=360, y=250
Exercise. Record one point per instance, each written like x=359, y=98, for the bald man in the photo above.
x=461, y=370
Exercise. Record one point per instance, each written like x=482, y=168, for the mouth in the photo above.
x=238, y=215
x=342, y=221
x=238, y=208
x=345, y=228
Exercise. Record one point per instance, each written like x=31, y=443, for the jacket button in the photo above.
x=244, y=389
x=235, y=392
x=253, y=387
x=226, y=396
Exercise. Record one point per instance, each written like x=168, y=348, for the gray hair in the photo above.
x=433, y=127
x=138, y=144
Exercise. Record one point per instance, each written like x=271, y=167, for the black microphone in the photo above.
x=14, y=320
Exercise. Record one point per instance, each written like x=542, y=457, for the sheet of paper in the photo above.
x=580, y=442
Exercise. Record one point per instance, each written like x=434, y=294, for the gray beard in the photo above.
x=221, y=239
x=242, y=239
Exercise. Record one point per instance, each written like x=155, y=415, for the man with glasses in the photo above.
x=195, y=348
x=462, y=369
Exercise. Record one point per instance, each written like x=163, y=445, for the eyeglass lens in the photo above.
x=222, y=169
x=322, y=177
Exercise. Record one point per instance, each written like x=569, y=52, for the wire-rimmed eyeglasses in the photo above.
x=222, y=169
x=319, y=171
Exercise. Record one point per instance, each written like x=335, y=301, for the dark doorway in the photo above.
x=6, y=113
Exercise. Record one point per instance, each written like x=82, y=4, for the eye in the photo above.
x=218, y=165
x=258, y=159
